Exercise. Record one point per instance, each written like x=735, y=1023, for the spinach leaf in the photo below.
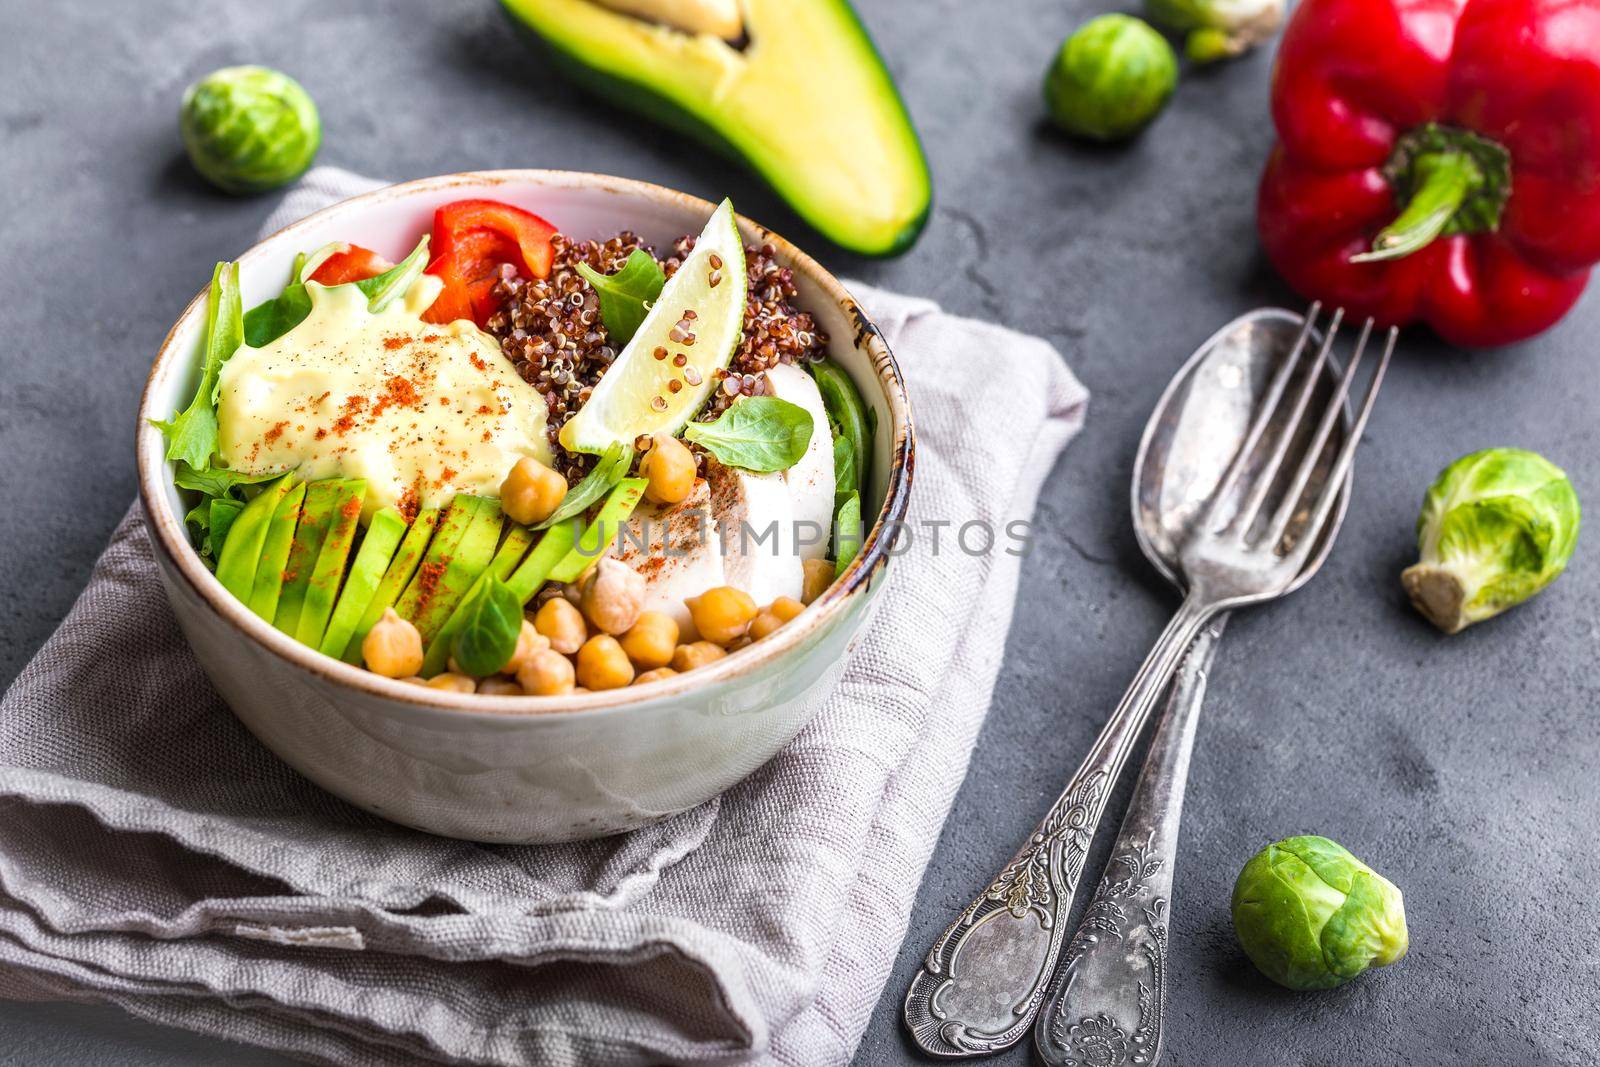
x=847, y=532
x=488, y=637
x=268, y=321
x=758, y=433
x=192, y=436
x=626, y=296
x=844, y=469
x=611, y=469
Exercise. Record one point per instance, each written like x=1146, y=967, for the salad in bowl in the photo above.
x=543, y=466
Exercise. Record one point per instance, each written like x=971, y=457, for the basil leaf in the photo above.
x=611, y=469
x=847, y=532
x=192, y=435
x=488, y=637
x=758, y=433
x=268, y=321
x=626, y=296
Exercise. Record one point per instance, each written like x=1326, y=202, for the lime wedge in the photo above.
x=689, y=335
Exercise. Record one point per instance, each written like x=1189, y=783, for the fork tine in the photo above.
x=1230, y=478
x=1246, y=515
x=1341, y=467
x=1308, y=462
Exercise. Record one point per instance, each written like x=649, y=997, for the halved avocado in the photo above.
x=804, y=99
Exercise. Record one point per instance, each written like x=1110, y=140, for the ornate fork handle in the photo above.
x=1110, y=1001
x=985, y=977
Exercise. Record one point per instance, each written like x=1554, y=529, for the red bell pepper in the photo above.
x=350, y=264
x=471, y=240
x=1438, y=161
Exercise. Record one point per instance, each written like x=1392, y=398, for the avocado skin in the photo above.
x=639, y=96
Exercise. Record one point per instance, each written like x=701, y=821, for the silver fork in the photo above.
x=984, y=978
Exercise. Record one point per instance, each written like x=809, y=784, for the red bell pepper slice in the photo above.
x=1438, y=161
x=353, y=264
x=472, y=239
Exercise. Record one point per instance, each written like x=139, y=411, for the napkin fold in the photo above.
x=155, y=856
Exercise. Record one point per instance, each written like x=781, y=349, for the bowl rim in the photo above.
x=170, y=535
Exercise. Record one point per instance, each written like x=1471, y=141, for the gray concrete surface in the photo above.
x=1464, y=768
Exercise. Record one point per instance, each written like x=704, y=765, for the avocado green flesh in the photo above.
x=457, y=517
x=505, y=560
x=328, y=573
x=372, y=559
x=807, y=103
x=596, y=540
x=395, y=577
x=470, y=559
x=551, y=549
x=241, y=552
x=316, y=515
x=268, y=584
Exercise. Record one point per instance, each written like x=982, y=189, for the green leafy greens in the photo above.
x=271, y=319
x=488, y=636
x=192, y=436
x=611, y=468
x=626, y=296
x=847, y=531
x=758, y=433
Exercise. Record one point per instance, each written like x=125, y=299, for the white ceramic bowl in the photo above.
x=523, y=769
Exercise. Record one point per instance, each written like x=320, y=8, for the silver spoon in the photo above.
x=1111, y=992
x=1251, y=496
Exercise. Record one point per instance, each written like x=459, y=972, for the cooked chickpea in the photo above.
x=531, y=492
x=602, y=664
x=786, y=608
x=669, y=469
x=650, y=641
x=415, y=679
x=546, y=674
x=451, y=682
x=742, y=641
x=773, y=616
x=499, y=687
x=613, y=596
x=818, y=576
x=721, y=614
x=393, y=647
x=562, y=624
x=689, y=657
x=529, y=641
x=655, y=675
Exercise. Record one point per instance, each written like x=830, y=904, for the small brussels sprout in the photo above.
x=1111, y=78
x=249, y=129
x=1496, y=527
x=1312, y=916
x=1218, y=29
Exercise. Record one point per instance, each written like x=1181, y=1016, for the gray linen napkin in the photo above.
x=155, y=856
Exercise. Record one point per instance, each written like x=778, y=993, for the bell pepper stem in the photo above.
x=1443, y=181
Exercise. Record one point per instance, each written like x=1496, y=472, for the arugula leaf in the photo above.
x=611, y=469
x=847, y=531
x=270, y=320
x=488, y=637
x=192, y=436
x=758, y=433
x=626, y=296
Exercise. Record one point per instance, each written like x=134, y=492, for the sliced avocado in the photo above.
x=596, y=540
x=395, y=578
x=328, y=573
x=505, y=560
x=551, y=549
x=316, y=515
x=452, y=527
x=470, y=559
x=275, y=554
x=803, y=98
x=372, y=559
x=236, y=563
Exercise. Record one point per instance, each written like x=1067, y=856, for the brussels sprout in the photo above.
x=1218, y=29
x=1496, y=527
x=1312, y=916
x=1111, y=78
x=249, y=129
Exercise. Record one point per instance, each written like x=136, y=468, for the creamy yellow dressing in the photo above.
x=421, y=411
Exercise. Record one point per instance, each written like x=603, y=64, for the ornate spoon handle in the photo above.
x=1108, y=1005
x=985, y=977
